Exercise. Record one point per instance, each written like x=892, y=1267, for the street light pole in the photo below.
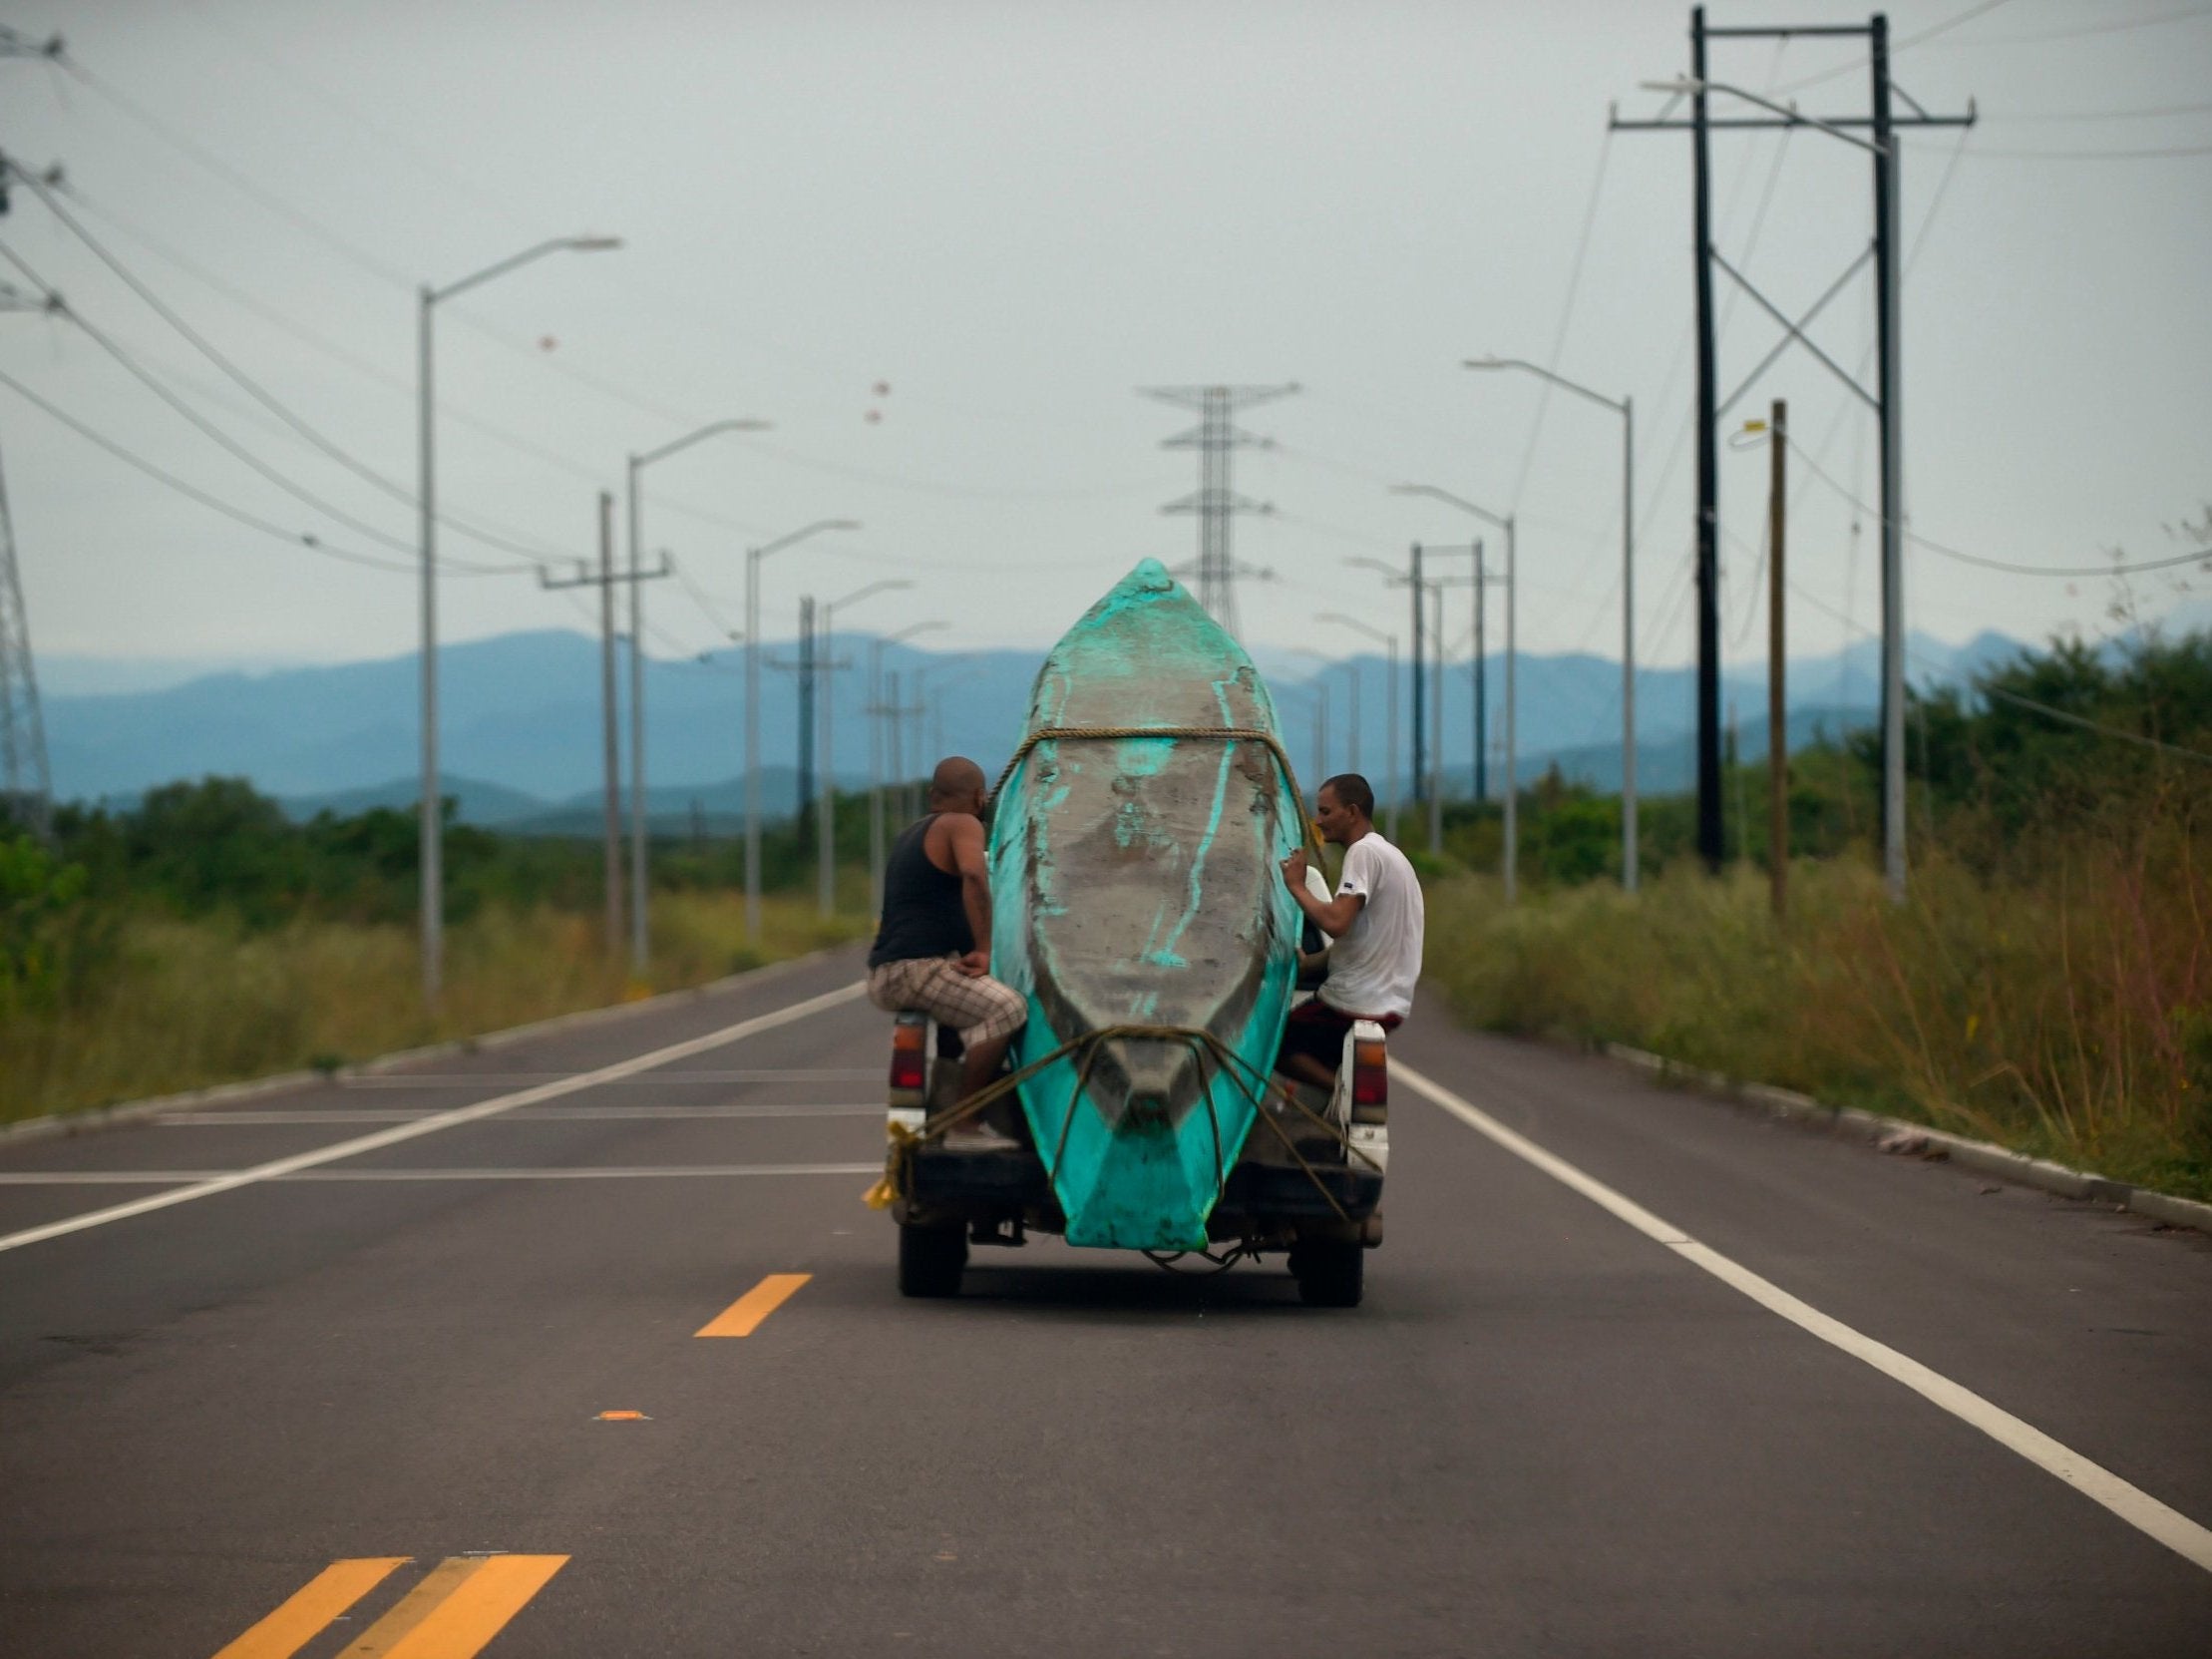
x=1505, y=521
x=640, y=937
x=753, y=557
x=431, y=876
x=826, y=813
x=1390, y=751
x=1625, y=407
x=877, y=756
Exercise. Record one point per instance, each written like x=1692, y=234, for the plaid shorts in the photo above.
x=978, y=1008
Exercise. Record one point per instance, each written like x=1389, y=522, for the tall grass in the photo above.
x=180, y=1003
x=2068, y=1016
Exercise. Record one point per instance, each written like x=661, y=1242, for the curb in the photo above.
x=91, y=1118
x=1977, y=1155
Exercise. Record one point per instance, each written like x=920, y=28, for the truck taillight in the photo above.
x=1370, y=1078
x=909, y=1053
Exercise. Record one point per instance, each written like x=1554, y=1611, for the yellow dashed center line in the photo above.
x=743, y=1317
x=318, y=1601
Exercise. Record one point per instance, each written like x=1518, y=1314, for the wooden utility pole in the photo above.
x=1777, y=702
x=605, y=582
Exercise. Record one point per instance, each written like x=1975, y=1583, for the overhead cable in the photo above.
x=253, y=521
x=254, y=389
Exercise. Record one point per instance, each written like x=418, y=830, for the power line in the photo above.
x=2152, y=113
x=2144, y=566
x=223, y=439
x=1565, y=317
x=2065, y=716
x=253, y=389
x=2094, y=155
x=252, y=521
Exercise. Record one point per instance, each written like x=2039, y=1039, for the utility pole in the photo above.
x=1885, y=401
x=605, y=582
x=1777, y=701
x=1214, y=503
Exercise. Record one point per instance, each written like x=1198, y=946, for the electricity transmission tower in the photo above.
x=26, y=786
x=1216, y=438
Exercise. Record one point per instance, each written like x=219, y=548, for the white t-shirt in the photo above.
x=1375, y=964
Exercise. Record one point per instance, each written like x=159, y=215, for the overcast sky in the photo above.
x=940, y=245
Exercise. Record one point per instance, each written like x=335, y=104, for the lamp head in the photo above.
x=594, y=244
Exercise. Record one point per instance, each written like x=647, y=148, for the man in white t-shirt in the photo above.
x=1376, y=919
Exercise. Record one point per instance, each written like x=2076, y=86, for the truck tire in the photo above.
x=1329, y=1274
x=931, y=1260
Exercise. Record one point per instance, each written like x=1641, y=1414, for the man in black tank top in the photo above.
x=932, y=942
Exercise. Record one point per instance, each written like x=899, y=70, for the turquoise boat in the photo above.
x=1136, y=880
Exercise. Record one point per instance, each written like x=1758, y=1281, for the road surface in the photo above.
x=418, y=1365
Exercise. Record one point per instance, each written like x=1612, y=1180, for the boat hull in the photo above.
x=1136, y=882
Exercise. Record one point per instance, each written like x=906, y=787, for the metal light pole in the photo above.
x=1512, y=743
x=640, y=941
x=1390, y=648
x=431, y=875
x=825, y=817
x=1626, y=409
x=876, y=755
x=753, y=557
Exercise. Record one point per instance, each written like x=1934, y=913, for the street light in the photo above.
x=826, y=814
x=876, y=755
x=1390, y=687
x=753, y=557
x=431, y=876
x=640, y=944
x=1318, y=683
x=1512, y=598
x=1626, y=409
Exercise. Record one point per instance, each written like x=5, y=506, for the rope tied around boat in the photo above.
x=1255, y=1085
x=1226, y=734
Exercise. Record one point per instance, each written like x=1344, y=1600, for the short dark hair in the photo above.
x=1352, y=790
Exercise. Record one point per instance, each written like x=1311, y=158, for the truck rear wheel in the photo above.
x=931, y=1260
x=1329, y=1274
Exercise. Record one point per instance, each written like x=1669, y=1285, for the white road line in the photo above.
x=551, y=1114
x=2131, y=1504
x=511, y=1079
x=399, y=1132
x=548, y=1172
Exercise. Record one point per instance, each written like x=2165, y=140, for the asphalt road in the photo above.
x=355, y=1403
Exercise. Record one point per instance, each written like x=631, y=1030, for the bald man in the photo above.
x=932, y=942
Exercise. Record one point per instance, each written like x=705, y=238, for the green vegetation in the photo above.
x=2047, y=985
x=203, y=937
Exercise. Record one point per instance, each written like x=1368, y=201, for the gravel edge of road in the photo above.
x=1905, y=1136
x=92, y=1118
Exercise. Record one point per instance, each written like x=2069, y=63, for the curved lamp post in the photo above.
x=1626, y=409
x=753, y=557
x=640, y=941
x=432, y=874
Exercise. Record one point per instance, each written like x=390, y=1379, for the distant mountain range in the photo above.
x=521, y=736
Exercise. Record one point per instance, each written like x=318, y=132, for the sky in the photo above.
x=942, y=247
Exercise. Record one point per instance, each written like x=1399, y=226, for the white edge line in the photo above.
x=2131, y=1504
x=543, y=1172
x=399, y=1132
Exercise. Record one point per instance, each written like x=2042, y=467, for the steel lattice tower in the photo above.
x=26, y=788
x=1215, y=502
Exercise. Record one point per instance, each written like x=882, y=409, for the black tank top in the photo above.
x=922, y=912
